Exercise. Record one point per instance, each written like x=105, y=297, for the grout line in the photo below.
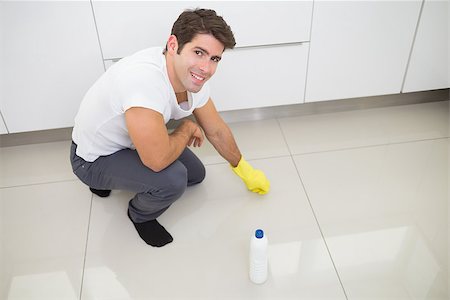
x=320, y=229
x=284, y=137
x=86, y=247
x=38, y=183
x=250, y=159
x=370, y=146
x=312, y=209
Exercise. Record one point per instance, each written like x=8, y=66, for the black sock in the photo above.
x=101, y=193
x=152, y=233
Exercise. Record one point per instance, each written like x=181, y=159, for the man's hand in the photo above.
x=255, y=180
x=197, y=136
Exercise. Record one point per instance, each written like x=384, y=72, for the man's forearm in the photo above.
x=178, y=140
x=223, y=141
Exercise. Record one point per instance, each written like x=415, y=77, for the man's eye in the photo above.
x=198, y=52
x=215, y=59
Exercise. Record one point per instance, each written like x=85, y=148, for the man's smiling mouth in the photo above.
x=198, y=77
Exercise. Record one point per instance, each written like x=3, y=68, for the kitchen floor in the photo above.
x=358, y=209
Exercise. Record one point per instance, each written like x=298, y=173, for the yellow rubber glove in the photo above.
x=255, y=180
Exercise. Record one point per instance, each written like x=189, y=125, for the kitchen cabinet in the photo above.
x=260, y=77
x=267, y=67
x=50, y=56
x=359, y=48
x=128, y=26
x=429, y=64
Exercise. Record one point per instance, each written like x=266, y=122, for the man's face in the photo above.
x=197, y=61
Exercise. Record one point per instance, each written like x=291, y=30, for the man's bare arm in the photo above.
x=156, y=148
x=218, y=132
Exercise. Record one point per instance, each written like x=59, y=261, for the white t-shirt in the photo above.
x=139, y=80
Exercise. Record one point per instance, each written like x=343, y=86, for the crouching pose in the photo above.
x=120, y=139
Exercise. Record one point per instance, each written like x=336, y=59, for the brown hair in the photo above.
x=202, y=21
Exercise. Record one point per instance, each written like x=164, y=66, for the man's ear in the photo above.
x=172, y=44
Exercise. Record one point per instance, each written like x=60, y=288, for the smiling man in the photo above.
x=120, y=139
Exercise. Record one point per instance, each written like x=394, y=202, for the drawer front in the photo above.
x=260, y=77
x=129, y=26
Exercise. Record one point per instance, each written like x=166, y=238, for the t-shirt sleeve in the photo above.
x=141, y=87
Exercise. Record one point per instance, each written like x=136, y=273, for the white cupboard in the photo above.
x=247, y=79
x=267, y=67
x=126, y=27
x=359, y=48
x=429, y=65
x=50, y=57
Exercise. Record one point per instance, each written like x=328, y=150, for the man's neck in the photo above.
x=176, y=85
x=181, y=97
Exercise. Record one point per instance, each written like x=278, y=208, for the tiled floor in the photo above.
x=358, y=210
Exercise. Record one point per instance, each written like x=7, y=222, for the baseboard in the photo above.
x=36, y=137
x=64, y=134
x=324, y=107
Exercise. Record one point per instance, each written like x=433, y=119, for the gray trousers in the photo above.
x=123, y=170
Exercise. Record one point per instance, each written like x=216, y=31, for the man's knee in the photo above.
x=198, y=176
x=174, y=184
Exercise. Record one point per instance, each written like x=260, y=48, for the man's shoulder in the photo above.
x=147, y=61
x=146, y=57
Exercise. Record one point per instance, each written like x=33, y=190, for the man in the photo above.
x=120, y=139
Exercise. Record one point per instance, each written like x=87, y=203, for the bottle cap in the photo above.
x=259, y=233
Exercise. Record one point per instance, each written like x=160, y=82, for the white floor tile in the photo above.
x=43, y=239
x=360, y=128
x=36, y=163
x=383, y=211
x=257, y=139
x=208, y=259
x=417, y=122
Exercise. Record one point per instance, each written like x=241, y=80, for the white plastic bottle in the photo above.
x=258, y=257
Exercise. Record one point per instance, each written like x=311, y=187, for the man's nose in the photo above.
x=205, y=66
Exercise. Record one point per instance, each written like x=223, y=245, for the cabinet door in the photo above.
x=2, y=126
x=429, y=65
x=128, y=26
x=50, y=57
x=3, y=129
x=266, y=22
x=260, y=77
x=359, y=48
